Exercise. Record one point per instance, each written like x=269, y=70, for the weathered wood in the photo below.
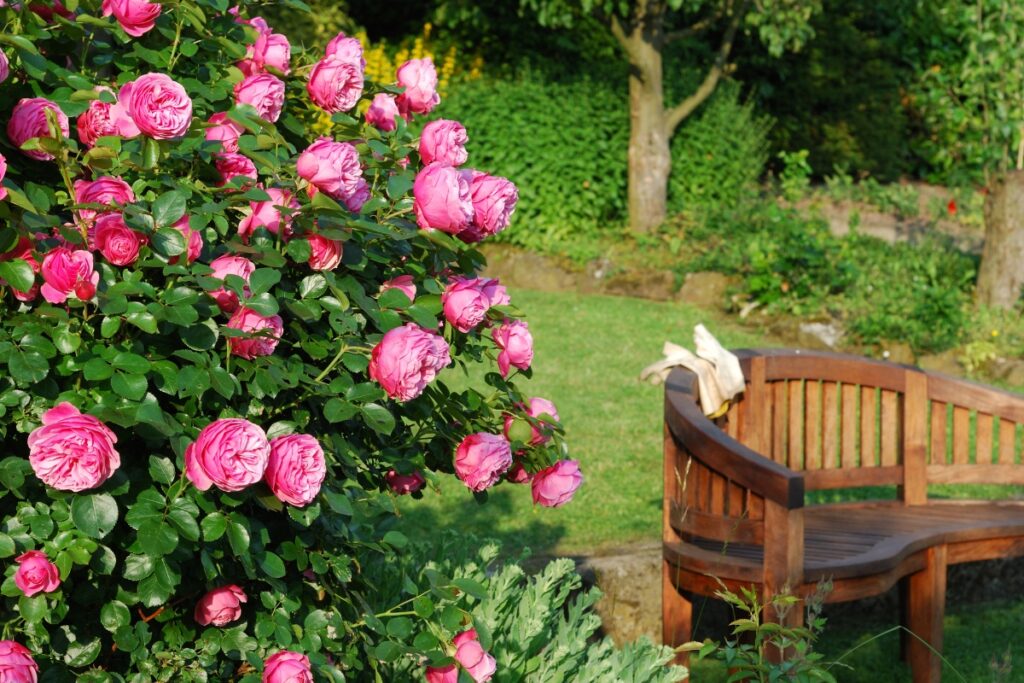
x=812, y=425
x=1007, y=442
x=915, y=434
x=925, y=609
x=817, y=480
x=975, y=474
x=850, y=400
x=795, y=428
x=961, y=435
x=717, y=494
x=890, y=424
x=937, y=451
x=759, y=435
x=830, y=425
x=735, y=500
x=867, y=426
x=779, y=406
x=783, y=555
x=983, y=440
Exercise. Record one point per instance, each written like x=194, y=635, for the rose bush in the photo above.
x=225, y=344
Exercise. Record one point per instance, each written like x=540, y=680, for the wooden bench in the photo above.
x=734, y=506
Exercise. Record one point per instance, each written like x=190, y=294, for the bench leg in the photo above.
x=676, y=611
x=926, y=603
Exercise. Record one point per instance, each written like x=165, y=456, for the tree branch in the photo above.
x=678, y=114
x=619, y=32
x=692, y=30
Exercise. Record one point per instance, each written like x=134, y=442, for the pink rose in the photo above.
x=270, y=49
x=287, y=667
x=466, y=301
x=347, y=49
x=515, y=342
x=230, y=454
x=494, y=202
x=225, y=131
x=382, y=112
x=359, y=196
x=403, y=283
x=105, y=119
x=36, y=574
x=407, y=359
x=468, y=652
x=72, y=451
x=193, y=241
x=264, y=333
x=135, y=16
x=16, y=663
x=445, y=142
x=5, y=67
x=481, y=459
x=220, y=606
x=324, y=254
x=230, y=265
x=443, y=674
x=232, y=165
x=331, y=167
x=403, y=484
x=159, y=106
x=517, y=474
x=296, y=469
x=268, y=215
x=555, y=485
x=442, y=198
x=66, y=272
x=419, y=78
x=3, y=172
x=28, y=120
x=335, y=84
x=537, y=407
x=118, y=243
x=263, y=91
x=108, y=191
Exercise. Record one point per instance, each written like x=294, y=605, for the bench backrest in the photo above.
x=816, y=420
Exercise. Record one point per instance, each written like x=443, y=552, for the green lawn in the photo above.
x=589, y=351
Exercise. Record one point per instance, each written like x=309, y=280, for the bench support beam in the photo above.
x=676, y=611
x=926, y=605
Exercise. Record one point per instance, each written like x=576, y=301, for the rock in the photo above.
x=595, y=276
x=631, y=582
x=643, y=284
x=517, y=268
x=825, y=336
x=705, y=289
x=945, y=362
x=1010, y=371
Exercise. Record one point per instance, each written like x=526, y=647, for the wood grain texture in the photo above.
x=830, y=430
x=812, y=425
x=890, y=424
x=1007, y=442
x=983, y=440
x=676, y=610
x=937, y=451
x=867, y=426
x=915, y=440
x=851, y=396
x=925, y=609
x=779, y=405
x=795, y=426
x=961, y=435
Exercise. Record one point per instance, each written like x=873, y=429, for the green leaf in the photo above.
x=271, y=565
x=65, y=340
x=396, y=539
x=150, y=153
x=132, y=387
x=138, y=567
x=184, y=522
x=30, y=367
x=387, y=651
x=378, y=418
x=238, y=538
x=262, y=280
x=143, y=320
x=214, y=525
x=114, y=615
x=338, y=410
x=423, y=606
x=168, y=242
x=157, y=538
x=110, y=326
x=131, y=363
x=161, y=469
x=18, y=273
x=471, y=587
x=33, y=609
x=7, y=547
x=94, y=515
x=264, y=304
x=299, y=250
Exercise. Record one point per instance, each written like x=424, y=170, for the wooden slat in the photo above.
x=795, y=431
x=830, y=425
x=716, y=501
x=735, y=500
x=983, y=440
x=867, y=427
x=706, y=525
x=975, y=474
x=937, y=452
x=890, y=428
x=759, y=421
x=841, y=479
x=915, y=440
x=755, y=506
x=1007, y=442
x=779, y=422
x=812, y=425
x=692, y=484
x=849, y=427
x=961, y=435
x=732, y=421
x=833, y=368
x=978, y=396
x=703, y=486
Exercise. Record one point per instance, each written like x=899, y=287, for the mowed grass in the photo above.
x=589, y=350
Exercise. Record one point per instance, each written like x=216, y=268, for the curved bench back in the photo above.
x=816, y=420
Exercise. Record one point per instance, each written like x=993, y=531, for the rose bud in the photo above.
x=443, y=674
x=226, y=265
x=296, y=469
x=407, y=359
x=403, y=484
x=481, y=459
x=419, y=78
x=118, y=243
x=556, y=485
x=324, y=254
x=515, y=342
x=445, y=142
x=230, y=454
x=468, y=652
x=220, y=606
x=5, y=67
x=28, y=120
x=225, y=131
x=382, y=112
x=265, y=331
x=287, y=667
x=72, y=451
x=135, y=16
x=35, y=574
x=442, y=198
x=270, y=49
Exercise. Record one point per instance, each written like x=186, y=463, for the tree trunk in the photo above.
x=1002, y=260
x=649, y=157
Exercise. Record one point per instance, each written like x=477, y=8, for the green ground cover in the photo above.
x=589, y=353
